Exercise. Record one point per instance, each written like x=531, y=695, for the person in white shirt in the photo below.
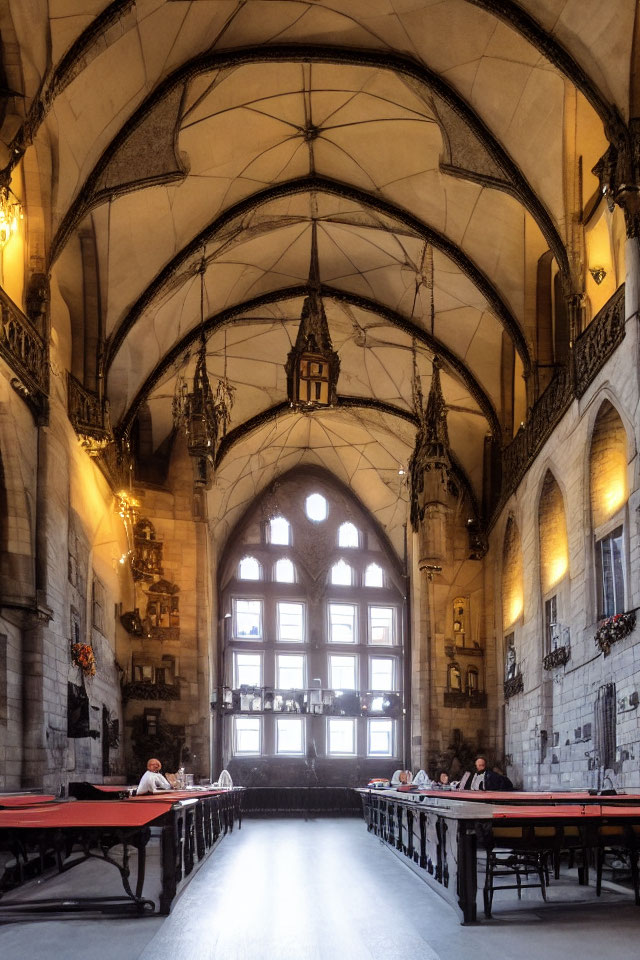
x=152, y=781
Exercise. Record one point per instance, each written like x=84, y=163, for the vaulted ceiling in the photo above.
x=427, y=139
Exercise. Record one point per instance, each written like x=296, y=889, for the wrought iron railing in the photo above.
x=461, y=699
x=557, y=658
x=590, y=352
x=89, y=417
x=596, y=344
x=24, y=350
x=145, y=690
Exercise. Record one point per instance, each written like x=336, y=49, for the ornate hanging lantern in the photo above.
x=201, y=414
x=313, y=365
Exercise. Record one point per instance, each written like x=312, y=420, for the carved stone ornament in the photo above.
x=556, y=658
x=147, y=557
x=162, y=620
x=513, y=686
x=26, y=353
x=619, y=174
x=89, y=417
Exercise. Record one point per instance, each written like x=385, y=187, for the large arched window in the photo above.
x=608, y=496
x=312, y=658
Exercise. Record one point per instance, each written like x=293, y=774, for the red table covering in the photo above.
x=108, y=788
x=84, y=813
x=174, y=795
x=564, y=810
x=26, y=800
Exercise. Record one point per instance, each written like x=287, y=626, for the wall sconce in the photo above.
x=598, y=274
x=10, y=214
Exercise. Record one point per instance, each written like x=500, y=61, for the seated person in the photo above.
x=443, y=782
x=484, y=779
x=401, y=777
x=422, y=779
x=152, y=781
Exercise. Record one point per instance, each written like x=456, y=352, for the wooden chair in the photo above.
x=517, y=852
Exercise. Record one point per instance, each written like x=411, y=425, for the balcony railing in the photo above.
x=590, y=352
x=146, y=690
x=334, y=703
x=89, y=417
x=465, y=699
x=24, y=350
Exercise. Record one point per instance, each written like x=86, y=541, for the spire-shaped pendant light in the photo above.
x=313, y=365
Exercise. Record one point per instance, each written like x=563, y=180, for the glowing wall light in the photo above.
x=10, y=215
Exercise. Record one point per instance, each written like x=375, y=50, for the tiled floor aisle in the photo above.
x=321, y=890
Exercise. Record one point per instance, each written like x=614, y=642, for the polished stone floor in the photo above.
x=321, y=889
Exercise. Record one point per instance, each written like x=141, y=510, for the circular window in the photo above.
x=316, y=507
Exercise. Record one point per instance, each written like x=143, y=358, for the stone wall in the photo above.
x=181, y=706
x=554, y=727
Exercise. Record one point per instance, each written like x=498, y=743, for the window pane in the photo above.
x=348, y=535
x=289, y=737
x=342, y=737
x=342, y=672
x=382, y=673
x=316, y=507
x=609, y=566
x=290, y=622
x=289, y=672
x=381, y=625
x=373, y=576
x=279, y=530
x=342, y=623
x=616, y=564
x=247, y=669
x=341, y=574
x=247, y=735
x=285, y=572
x=551, y=623
x=248, y=619
x=380, y=738
x=249, y=569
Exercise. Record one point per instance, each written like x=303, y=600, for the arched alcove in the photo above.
x=554, y=558
x=607, y=465
x=608, y=493
x=552, y=532
x=512, y=576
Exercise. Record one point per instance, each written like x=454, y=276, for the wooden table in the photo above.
x=68, y=833
x=437, y=833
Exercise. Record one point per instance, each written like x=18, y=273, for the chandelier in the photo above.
x=202, y=414
x=10, y=214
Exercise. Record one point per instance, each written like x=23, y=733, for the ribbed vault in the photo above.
x=441, y=149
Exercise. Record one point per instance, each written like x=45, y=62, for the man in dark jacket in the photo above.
x=484, y=779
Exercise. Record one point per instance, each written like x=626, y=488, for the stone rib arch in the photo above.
x=92, y=193
x=451, y=361
x=324, y=184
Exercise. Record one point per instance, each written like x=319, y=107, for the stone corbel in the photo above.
x=619, y=174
